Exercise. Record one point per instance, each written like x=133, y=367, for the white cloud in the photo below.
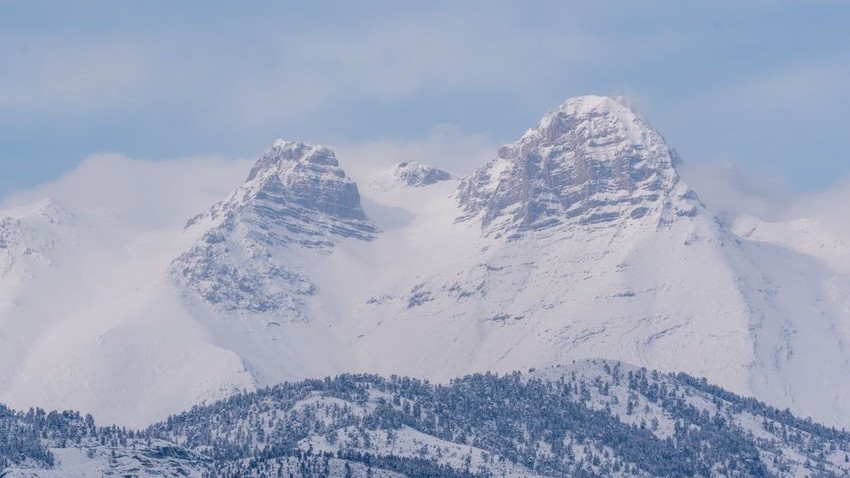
x=728, y=190
x=140, y=193
x=830, y=207
x=807, y=88
x=445, y=147
x=151, y=195
x=802, y=90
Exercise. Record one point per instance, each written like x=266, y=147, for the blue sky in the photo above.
x=761, y=85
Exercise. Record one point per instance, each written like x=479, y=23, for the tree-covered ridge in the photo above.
x=618, y=422
x=21, y=437
x=31, y=443
x=590, y=419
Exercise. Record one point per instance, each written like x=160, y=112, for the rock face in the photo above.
x=306, y=183
x=302, y=189
x=414, y=174
x=591, y=160
x=296, y=197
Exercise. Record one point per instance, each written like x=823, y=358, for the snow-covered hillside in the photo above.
x=579, y=240
x=90, y=321
x=591, y=418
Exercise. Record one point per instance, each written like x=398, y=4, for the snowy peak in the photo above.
x=296, y=198
x=282, y=153
x=413, y=174
x=592, y=160
x=594, y=121
x=299, y=188
x=306, y=176
x=287, y=157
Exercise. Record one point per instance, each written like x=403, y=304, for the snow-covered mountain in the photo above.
x=592, y=160
x=579, y=240
x=296, y=199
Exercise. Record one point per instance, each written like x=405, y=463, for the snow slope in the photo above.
x=579, y=240
x=90, y=321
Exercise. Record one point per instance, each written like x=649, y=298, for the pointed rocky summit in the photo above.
x=296, y=198
x=591, y=160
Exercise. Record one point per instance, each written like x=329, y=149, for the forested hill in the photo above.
x=592, y=418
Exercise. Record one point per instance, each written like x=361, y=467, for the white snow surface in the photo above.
x=578, y=241
x=91, y=460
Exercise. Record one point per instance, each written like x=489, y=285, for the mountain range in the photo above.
x=580, y=240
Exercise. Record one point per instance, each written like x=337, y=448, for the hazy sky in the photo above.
x=762, y=85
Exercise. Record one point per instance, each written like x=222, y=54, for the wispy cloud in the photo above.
x=276, y=71
x=729, y=190
x=445, y=147
x=140, y=193
x=829, y=206
x=804, y=88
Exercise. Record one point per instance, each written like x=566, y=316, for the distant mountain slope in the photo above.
x=592, y=418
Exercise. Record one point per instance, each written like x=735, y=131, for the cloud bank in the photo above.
x=730, y=191
x=140, y=193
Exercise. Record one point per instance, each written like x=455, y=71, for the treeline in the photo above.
x=608, y=423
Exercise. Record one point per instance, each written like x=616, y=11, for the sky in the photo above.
x=756, y=89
